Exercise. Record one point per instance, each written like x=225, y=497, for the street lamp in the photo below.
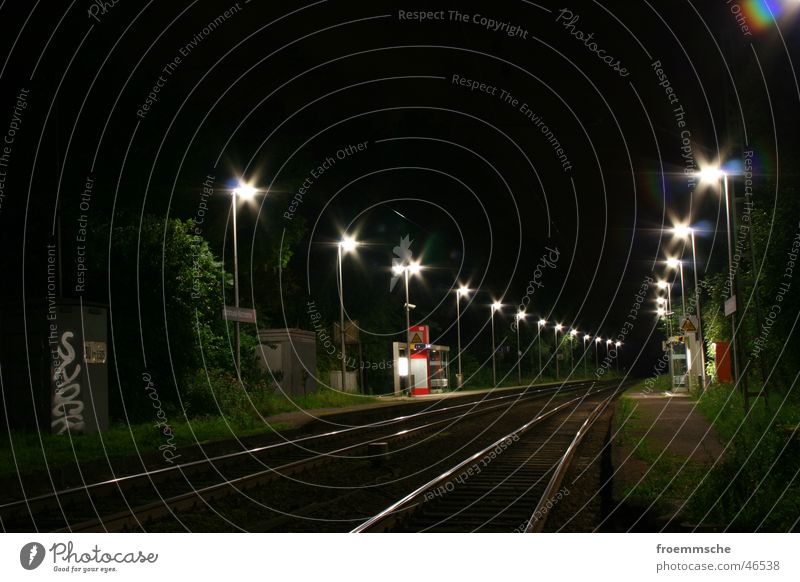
x=586, y=338
x=557, y=329
x=411, y=268
x=682, y=232
x=618, y=345
x=597, y=341
x=712, y=175
x=496, y=306
x=520, y=317
x=539, y=325
x=674, y=263
x=665, y=311
x=243, y=191
x=346, y=245
x=572, y=334
x=462, y=291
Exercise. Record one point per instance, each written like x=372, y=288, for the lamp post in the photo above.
x=557, y=329
x=673, y=263
x=539, y=325
x=586, y=338
x=663, y=285
x=597, y=341
x=666, y=312
x=520, y=317
x=346, y=245
x=572, y=334
x=608, y=343
x=462, y=291
x=496, y=306
x=245, y=192
x=713, y=175
x=411, y=268
x=618, y=345
x=682, y=231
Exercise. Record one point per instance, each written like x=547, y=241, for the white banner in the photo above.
x=388, y=558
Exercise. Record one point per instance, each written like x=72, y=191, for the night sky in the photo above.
x=491, y=134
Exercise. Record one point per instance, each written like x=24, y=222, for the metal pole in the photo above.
x=408, y=330
x=571, y=354
x=585, y=369
x=669, y=336
x=341, y=319
x=519, y=356
x=596, y=355
x=539, y=341
x=558, y=373
x=494, y=352
x=683, y=290
x=732, y=279
x=699, y=315
x=458, y=327
x=236, y=287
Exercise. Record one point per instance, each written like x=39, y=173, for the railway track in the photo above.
x=510, y=485
x=131, y=501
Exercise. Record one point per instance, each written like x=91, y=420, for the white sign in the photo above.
x=241, y=314
x=730, y=305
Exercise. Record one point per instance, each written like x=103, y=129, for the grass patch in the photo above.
x=755, y=487
x=238, y=415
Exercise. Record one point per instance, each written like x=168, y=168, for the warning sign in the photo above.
x=416, y=339
x=688, y=325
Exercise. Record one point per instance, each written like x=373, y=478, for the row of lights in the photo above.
x=521, y=315
x=348, y=244
x=712, y=175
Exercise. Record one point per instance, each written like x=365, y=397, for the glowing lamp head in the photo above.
x=573, y=332
x=587, y=337
x=559, y=327
x=348, y=244
x=673, y=263
x=661, y=312
x=598, y=340
x=682, y=231
x=710, y=174
x=245, y=191
x=521, y=315
x=414, y=268
x=608, y=341
x=542, y=322
x=463, y=291
x=662, y=284
x=618, y=344
x=497, y=306
x=398, y=269
x=660, y=301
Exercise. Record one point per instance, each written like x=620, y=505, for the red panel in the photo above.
x=723, y=359
x=421, y=391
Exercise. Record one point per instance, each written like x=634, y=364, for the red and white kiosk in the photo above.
x=426, y=370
